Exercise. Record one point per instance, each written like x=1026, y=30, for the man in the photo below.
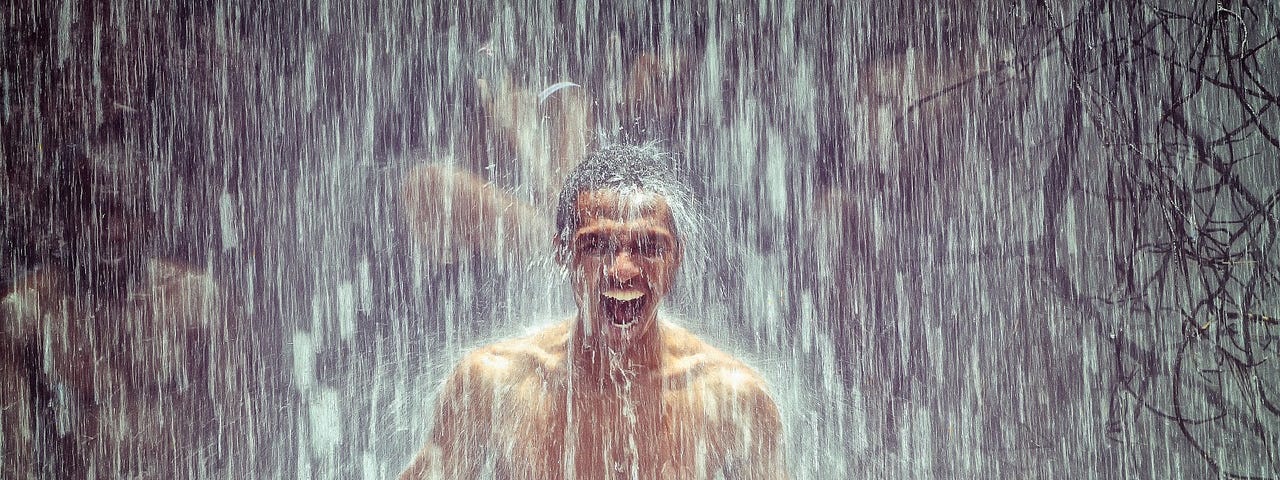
x=529, y=124
x=480, y=202
x=114, y=364
x=616, y=391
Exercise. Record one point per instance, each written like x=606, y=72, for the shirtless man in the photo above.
x=113, y=363
x=616, y=391
x=535, y=130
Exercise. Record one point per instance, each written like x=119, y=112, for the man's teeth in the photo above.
x=623, y=295
x=625, y=323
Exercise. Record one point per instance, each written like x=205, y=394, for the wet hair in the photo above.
x=649, y=169
x=622, y=167
x=105, y=170
x=113, y=166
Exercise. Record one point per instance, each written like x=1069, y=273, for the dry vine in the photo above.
x=1184, y=101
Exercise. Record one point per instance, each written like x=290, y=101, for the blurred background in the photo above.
x=960, y=239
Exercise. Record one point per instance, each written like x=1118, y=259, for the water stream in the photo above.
x=957, y=239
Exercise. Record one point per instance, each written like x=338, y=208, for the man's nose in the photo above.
x=623, y=268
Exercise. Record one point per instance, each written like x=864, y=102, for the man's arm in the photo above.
x=754, y=428
x=460, y=440
x=453, y=214
x=18, y=439
x=207, y=333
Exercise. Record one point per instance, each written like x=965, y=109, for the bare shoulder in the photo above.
x=695, y=363
x=37, y=285
x=185, y=297
x=180, y=280
x=509, y=361
x=32, y=296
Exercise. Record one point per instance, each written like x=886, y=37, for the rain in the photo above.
x=950, y=239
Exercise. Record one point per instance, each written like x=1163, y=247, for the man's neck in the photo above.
x=605, y=364
x=110, y=283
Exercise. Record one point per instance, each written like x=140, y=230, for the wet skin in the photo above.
x=132, y=373
x=623, y=261
x=615, y=392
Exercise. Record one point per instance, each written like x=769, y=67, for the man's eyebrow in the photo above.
x=592, y=234
x=640, y=234
x=655, y=235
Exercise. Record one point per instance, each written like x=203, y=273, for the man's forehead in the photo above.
x=623, y=206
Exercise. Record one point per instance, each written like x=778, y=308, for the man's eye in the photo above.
x=594, y=246
x=650, y=248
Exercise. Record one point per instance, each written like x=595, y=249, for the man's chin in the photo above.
x=618, y=333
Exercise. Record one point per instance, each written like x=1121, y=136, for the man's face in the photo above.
x=115, y=232
x=623, y=257
x=116, y=224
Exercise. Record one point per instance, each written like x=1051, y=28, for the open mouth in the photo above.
x=110, y=259
x=623, y=306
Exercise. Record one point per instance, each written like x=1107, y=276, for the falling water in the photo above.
x=958, y=240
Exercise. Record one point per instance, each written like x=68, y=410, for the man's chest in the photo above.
x=604, y=436
x=98, y=349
